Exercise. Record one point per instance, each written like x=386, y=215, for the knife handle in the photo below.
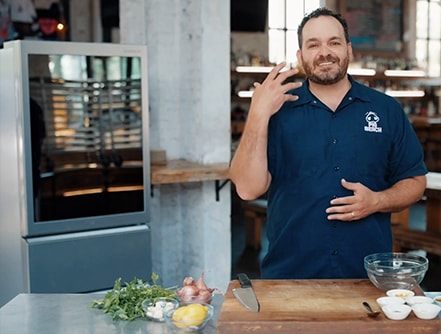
x=244, y=280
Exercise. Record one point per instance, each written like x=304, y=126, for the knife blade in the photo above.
x=245, y=294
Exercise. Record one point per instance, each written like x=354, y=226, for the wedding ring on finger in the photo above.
x=352, y=214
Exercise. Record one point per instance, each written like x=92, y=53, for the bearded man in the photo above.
x=335, y=158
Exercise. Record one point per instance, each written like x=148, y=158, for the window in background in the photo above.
x=284, y=16
x=428, y=36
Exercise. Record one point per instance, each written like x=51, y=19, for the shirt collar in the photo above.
x=305, y=96
x=358, y=90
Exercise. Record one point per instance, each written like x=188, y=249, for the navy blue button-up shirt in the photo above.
x=368, y=139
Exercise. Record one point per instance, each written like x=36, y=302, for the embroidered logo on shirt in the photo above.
x=372, y=120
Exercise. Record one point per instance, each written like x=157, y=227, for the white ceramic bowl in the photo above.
x=426, y=311
x=418, y=300
x=396, y=311
x=401, y=293
x=437, y=300
x=386, y=300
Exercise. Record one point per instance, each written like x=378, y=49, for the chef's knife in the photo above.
x=245, y=294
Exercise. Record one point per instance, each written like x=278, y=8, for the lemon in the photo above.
x=190, y=315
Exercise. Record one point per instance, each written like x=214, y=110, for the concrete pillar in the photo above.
x=80, y=21
x=189, y=98
x=85, y=21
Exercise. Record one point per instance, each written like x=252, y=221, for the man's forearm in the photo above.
x=249, y=167
x=402, y=194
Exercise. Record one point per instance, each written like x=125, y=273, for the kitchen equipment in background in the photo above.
x=75, y=197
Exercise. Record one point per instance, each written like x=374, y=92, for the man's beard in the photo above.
x=329, y=77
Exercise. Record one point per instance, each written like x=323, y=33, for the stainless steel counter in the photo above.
x=72, y=314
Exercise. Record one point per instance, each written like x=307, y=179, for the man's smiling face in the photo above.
x=324, y=53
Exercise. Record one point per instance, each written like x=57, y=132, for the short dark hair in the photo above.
x=322, y=12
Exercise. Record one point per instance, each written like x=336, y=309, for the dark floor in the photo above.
x=248, y=260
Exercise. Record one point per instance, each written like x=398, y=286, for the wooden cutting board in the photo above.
x=315, y=306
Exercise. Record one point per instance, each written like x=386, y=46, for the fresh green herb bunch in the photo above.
x=125, y=302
